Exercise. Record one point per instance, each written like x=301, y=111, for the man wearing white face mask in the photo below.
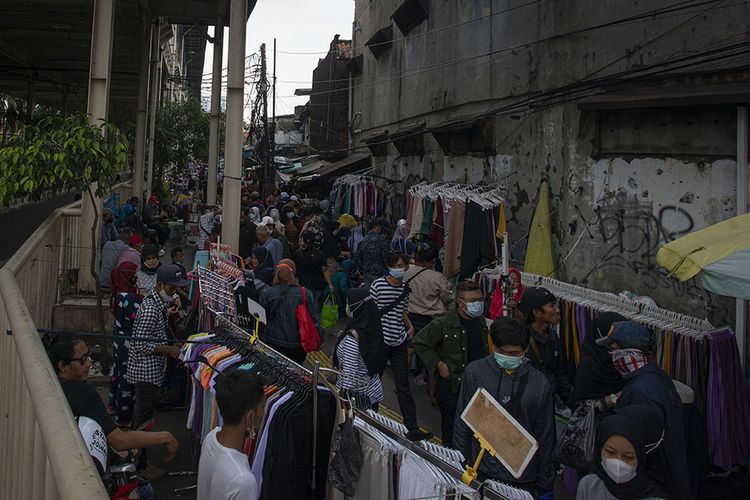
x=148, y=347
x=646, y=384
x=524, y=392
x=450, y=342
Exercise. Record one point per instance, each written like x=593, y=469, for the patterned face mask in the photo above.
x=628, y=360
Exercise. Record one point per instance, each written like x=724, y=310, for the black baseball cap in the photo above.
x=535, y=298
x=170, y=274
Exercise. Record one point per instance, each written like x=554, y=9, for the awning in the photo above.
x=348, y=162
x=310, y=168
x=719, y=253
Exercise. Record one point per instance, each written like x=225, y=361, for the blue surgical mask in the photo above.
x=508, y=362
x=397, y=272
x=475, y=309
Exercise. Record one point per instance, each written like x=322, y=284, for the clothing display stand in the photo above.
x=474, y=490
x=686, y=348
x=464, y=220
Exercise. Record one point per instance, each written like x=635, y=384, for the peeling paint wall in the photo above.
x=609, y=215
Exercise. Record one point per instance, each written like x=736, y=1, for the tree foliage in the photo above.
x=61, y=154
x=181, y=135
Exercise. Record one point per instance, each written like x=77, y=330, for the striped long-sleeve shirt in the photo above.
x=352, y=364
x=384, y=294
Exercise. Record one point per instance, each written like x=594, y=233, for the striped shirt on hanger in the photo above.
x=352, y=364
x=384, y=294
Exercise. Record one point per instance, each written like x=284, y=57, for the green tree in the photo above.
x=181, y=135
x=64, y=154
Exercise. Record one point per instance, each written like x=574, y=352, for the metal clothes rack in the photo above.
x=485, y=196
x=653, y=316
x=426, y=455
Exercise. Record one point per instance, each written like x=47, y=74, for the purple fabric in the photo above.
x=728, y=419
x=570, y=480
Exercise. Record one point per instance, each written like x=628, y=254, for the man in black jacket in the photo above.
x=524, y=392
x=247, y=234
x=541, y=313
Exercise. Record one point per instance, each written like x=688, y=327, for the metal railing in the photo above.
x=42, y=455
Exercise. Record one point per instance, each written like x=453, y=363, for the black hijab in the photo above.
x=596, y=377
x=149, y=250
x=366, y=322
x=643, y=428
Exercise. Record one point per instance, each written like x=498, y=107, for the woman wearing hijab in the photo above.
x=360, y=351
x=262, y=264
x=146, y=278
x=596, y=377
x=620, y=465
x=276, y=216
x=400, y=243
x=124, y=304
x=255, y=217
x=280, y=302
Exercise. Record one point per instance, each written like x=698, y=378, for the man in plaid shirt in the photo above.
x=148, y=347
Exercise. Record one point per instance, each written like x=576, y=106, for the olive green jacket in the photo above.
x=444, y=339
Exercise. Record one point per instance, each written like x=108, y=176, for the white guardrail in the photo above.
x=42, y=455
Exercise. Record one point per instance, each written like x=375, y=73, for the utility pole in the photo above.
x=273, y=101
x=266, y=142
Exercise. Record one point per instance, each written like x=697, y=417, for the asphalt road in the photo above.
x=17, y=225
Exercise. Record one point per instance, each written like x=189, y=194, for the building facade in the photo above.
x=630, y=111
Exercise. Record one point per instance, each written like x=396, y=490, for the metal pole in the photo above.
x=213, y=138
x=140, y=115
x=154, y=95
x=230, y=232
x=273, y=103
x=741, y=304
x=316, y=371
x=350, y=135
x=266, y=143
x=97, y=108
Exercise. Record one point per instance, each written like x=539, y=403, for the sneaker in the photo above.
x=418, y=435
x=161, y=253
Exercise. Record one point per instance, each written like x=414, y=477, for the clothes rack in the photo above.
x=690, y=350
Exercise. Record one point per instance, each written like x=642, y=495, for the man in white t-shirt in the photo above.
x=224, y=472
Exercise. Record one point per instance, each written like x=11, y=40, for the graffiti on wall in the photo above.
x=630, y=232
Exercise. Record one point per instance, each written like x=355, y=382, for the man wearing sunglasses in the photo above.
x=72, y=362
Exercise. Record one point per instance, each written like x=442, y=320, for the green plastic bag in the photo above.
x=330, y=312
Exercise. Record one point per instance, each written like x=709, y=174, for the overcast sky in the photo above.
x=306, y=26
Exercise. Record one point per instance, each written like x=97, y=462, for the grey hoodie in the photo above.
x=535, y=412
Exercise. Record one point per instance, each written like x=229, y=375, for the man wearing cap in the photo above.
x=148, y=347
x=371, y=255
x=646, y=384
x=539, y=308
x=152, y=219
x=133, y=252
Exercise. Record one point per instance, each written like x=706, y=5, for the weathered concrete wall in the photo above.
x=609, y=214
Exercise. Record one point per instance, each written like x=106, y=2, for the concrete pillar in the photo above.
x=230, y=230
x=140, y=113
x=741, y=305
x=213, y=138
x=102, y=34
x=154, y=94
